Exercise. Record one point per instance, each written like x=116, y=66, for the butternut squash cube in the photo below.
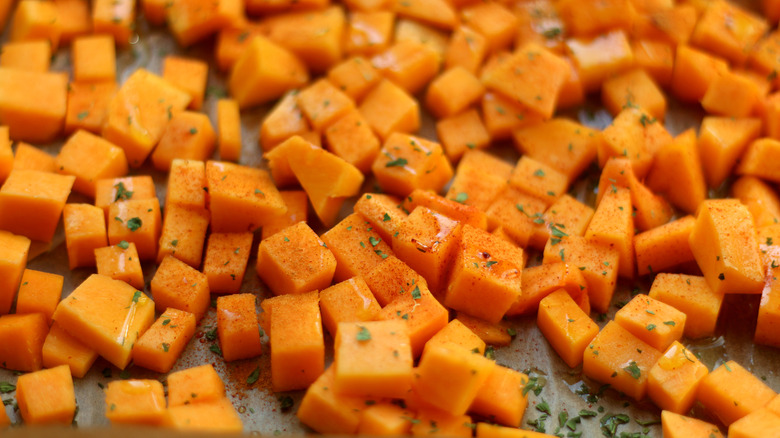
x=29, y=157
x=33, y=104
x=760, y=199
x=762, y=422
x=120, y=263
x=407, y=162
x=538, y=179
x=137, y=221
x=427, y=241
x=393, y=280
x=135, y=402
x=674, y=379
x=183, y=234
x=26, y=55
x=532, y=76
x=612, y=226
x=452, y=92
x=283, y=121
x=351, y=138
x=88, y=106
x=465, y=373
x=322, y=104
x=355, y=76
x=160, y=346
x=298, y=353
x=732, y=392
x=189, y=75
x=568, y=329
x=656, y=58
x=458, y=211
x=240, y=197
x=327, y=411
x=90, y=158
x=227, y=255
x=488, y=430
x=409, y=64
x=467, y=48
x=754, y=160
x=115, y=18
x=503, y=115
x=680, y=426
x=566, y=213
x=295, y=261
x=694, y=71
x=384, y=418
x=635, y=87
x=561, y=143
x=768, y=310
x=94, y=58
x=47, y=396
x=486, y=275
x=519, y=214
x=35, y=20
x=189, y=136
x=229, y=130
x=297, y=211
x=264, y=72
x=542, y=280
x=729, y=40
x=424, y=316
x=433, y=422
x=369, y=32
x=652, y=321
x=239, y=335
x=13, y=259
x=724, y=244
x=462, y=132
x=635, y=135
x=186, y=184
x=456, y=333
x=31, y=203
x=388, y=108
x=619, y=358
x=107, y=315
x=61, y=348
x=492, y=334
x=85, y=231
x=200, y=384
x=385, y=212
x=179, y=286
x=502, y=397
x=732, y=94
x=373, y=359
x=348, y=301
x=192, y=21
x=601, y=57
x=39, y=292
x=111, y=190
x=139, y=113
x=218, y=416
x=357, y=247
x=23, y=337
x=692, y=296
x=664, y=247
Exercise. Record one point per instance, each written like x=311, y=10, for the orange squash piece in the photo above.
x=39, y=292
x=183, y=234
x=654, y=322
x=23, y=337
x=728, y=30
x=162, y=344
x=189, y=75
x=61, y=348
x=348, y=301
x=31, y=203
x=674, y=379
x=357, y=246
x=224, y=265
x=196, y=385
x=601, y=57
x=26, y=55
x=326, y=411
x=388, y=109
x=87, y=106
x=137, y=221
x=368, y=32
x=408, y=162
x=47, y=396
x=680, y=426
x=297, y=343
x=619, y=358
x=189, y=136
x=111, y=190
x=456, y=333
x=732, y=392
x=692, y=296
x=13, y=259
x=94, y=59
x=239, y=335
x=542, y=280
x=501, y=397
x=191, y=21
x=120, y=263
x=85, y=231
x=35, y=114
x=90, y=158
x=218, y=416
x=568, y=329
x=135, y=402
x=177, y=285
x=229, y=130
x=664, y=247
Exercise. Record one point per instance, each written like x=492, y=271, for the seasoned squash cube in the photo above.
x=47, y=396
x=31, y=203
x=135, y=402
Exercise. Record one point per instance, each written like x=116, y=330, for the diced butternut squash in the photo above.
x=728, y=31
x=373, y=359
x=408, y=162
x=295, y=261
x=120, y=262
x=218, y=416
x=486, y=275
x=633, y=88
x=456, y=333
x=240, y=198
x=759, y=423
x=189, y=75
x=85, y=231
x=693, y=72
x=31, y=203
x=462, y=132
x=90, y=158
x=39, y=292
x=239, y=335
x=137, y=221
x=179, y=286
x=425, y=316
x=190, y=21
x=34, y=20
x=106, y=315
x=94, y=58
x=599, y=58
x=348, y=301
x=755, y=159
x=114, y=17
x=502, y=397
x=652, y=321
x=183, y=234
x=326, y=411
x=388, y=108
x=358, y=248
x=13, y=259
x=111, y=190
x=23, y=337
x=351, y=138
x=760, y=198
x=229, y=130
x=768, y=310
x=88, y=106
x=674, y=379
x=189, y=136
x=724, y=244
x=692, y=296
x=612, y=226
x=392, y=280
x=732, y=392
x=135, y=402
x=33, y=104
x=368, y=32
x=384, y=418
x=26, y=55
x=680, y=426
x=568, y=329
x=664, y=247
x=297, y=344
x=200, y=384
x=619, y=358
x=227, y=255
x=61, y=348
x=162, y=344
x=47, y=396
x=542, y=280
x=408, y=64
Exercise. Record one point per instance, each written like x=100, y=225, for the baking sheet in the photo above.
x=565, y=390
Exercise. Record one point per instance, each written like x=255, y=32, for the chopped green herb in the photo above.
x=123, y=244
x=122, y=192
x=416, y=294
x=134, y=223
x=398, y=162
x=254, y=376
x=461, y=197
x=363, y=334
x=633, y=370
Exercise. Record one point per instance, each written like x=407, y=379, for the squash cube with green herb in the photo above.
x=179, y=286
x=407, y=162
x=486, y=275
x=137, y=221
x=120, y=262
x=160, y=346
